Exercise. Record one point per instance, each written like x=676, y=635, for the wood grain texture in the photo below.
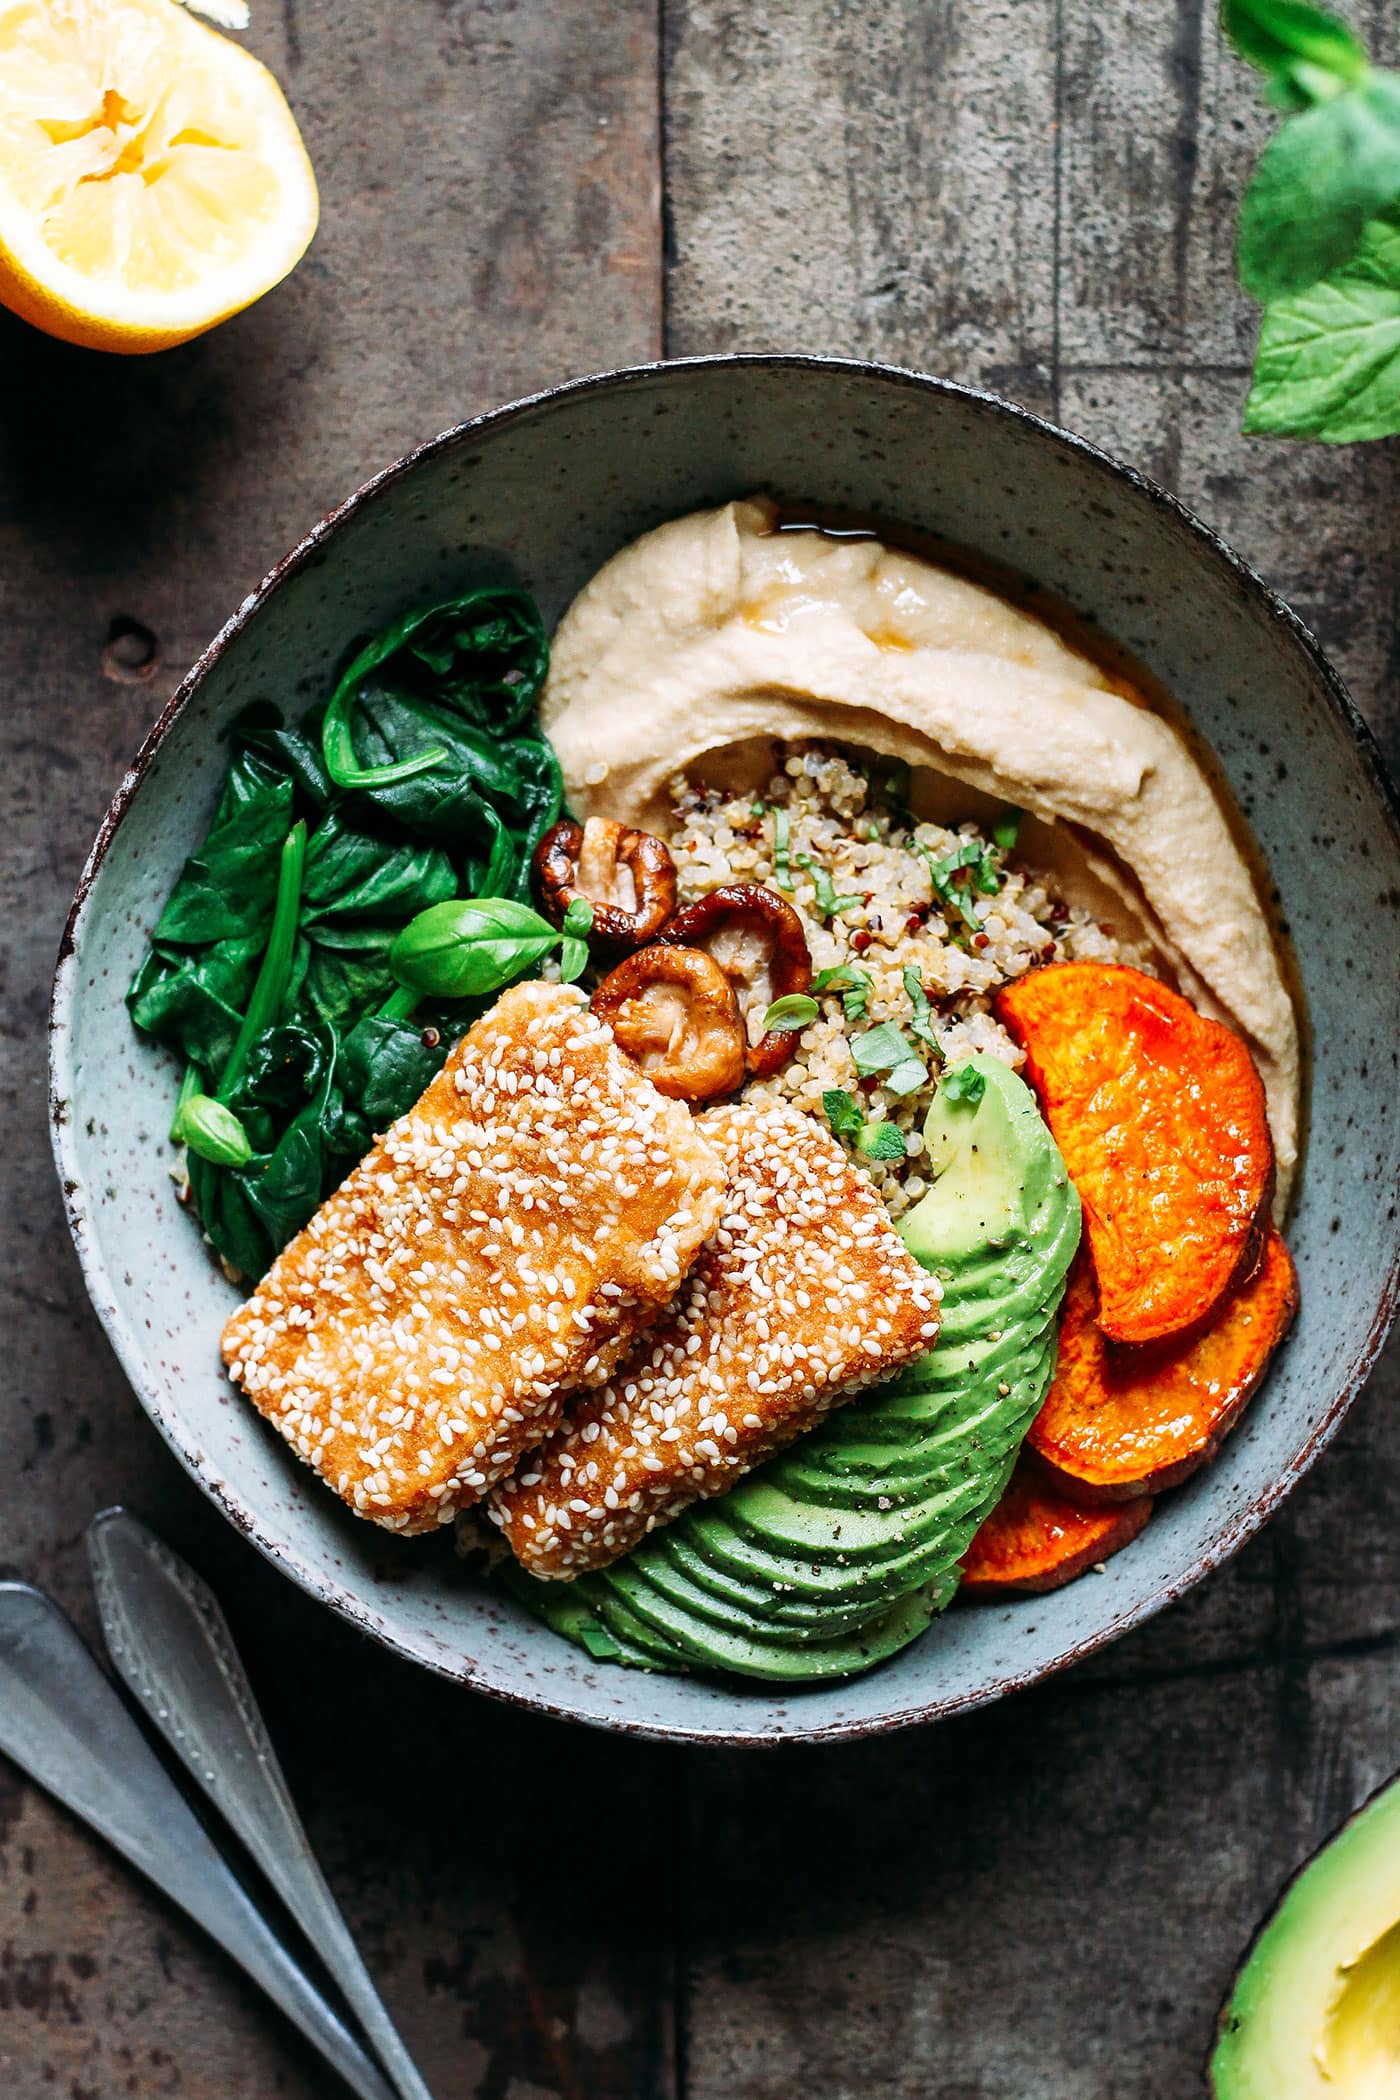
x=489, y=179
x=1044, y=1900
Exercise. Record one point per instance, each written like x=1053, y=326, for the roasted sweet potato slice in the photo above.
x=1037, y=1539
x=1160, y=1116
x=1131, y=1419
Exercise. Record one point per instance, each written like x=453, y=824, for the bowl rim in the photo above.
x=341, y=1599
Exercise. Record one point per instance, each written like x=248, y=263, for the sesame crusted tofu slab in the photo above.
x=498, y=1248
x=802, y=1297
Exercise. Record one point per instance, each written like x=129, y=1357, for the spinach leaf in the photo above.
x=1328, y=364
x=482, y=657
x=1316, y=184
x=226, y=889
x=193, y=998
x=270, y=969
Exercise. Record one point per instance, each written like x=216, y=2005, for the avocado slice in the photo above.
x=1315, y=2010
x=840, y=1550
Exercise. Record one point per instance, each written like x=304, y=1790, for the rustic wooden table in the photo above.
x=1043, y=1901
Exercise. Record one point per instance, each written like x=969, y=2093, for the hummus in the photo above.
x=716, y=634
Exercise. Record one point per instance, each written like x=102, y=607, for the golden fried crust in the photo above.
x=499, y=1247
x=802, y=1296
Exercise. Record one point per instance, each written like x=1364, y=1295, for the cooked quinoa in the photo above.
x=821, y=820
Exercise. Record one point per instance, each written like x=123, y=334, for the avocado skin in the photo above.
x=1331, y=1944
x=841, y=1550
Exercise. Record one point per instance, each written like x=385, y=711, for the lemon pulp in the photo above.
x=152, y=179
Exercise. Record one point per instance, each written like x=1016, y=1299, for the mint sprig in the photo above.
x=1317, y=233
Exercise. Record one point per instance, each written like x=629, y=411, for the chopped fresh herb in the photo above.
x=886, y=1052
x=782, y=864
x=828, y=903
x=842, y=1112
x=1007, y=828
x=758, y=807
x=922, y=1023
x=876, y=1140
x=881, y=1141
x=966, y=1084
x=942, y=874
x=853, y=983
x=578, y=919
x=790, y=1013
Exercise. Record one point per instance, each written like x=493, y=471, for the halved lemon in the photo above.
x=152, y=178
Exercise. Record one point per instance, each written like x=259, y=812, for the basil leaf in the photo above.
x=1007, y=828
x=794, y=1011
x=1317, y=182
x=881, y=1141
x=853, y=983
x=828, y=903
x=469, y=946
x=966, y=1084
x=842, y=1112
x=942, y=873
x=573, y=959
x=1328, y=362
x=213, y=1131
x=782, y=864
x=922, y=1023
x=1294, y=43
x=578, y=918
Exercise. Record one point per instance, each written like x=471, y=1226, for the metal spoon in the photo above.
x=62, y=1721
x=171, y=1644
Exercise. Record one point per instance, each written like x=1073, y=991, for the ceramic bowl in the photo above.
x=552, y=486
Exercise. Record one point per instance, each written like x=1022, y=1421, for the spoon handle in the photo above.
x=62, y=1721
x=172, y=1646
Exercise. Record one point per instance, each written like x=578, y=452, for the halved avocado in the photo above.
x=1315, y=2011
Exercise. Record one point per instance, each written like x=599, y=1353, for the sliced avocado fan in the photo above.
x=1316, y=2007
x=839, y=1551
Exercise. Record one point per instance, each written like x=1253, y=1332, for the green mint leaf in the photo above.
x=1299, y=46
x=578, y=919
x=1328, y=362
x=1007, y=828
x=881, y=1141
x=782, y=864
x=1316, y=184
x=842, y=1112
x=966, y=1084
x=790, y=1013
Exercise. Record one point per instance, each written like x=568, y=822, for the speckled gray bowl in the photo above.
x=554, y=485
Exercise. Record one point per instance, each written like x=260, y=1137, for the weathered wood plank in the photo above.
x=878, y=180
x=491, y=222
x=1048, y=1899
